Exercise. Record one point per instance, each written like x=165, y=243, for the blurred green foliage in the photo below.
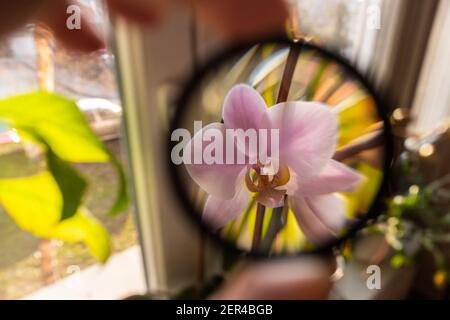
x=49, y=202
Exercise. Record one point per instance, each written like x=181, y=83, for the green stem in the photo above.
x=276, y=224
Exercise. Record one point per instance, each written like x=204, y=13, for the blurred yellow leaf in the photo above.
x=362, y=198
x=35, y=203
x=355, y=116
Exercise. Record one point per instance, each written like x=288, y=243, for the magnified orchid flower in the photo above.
x=307, y=176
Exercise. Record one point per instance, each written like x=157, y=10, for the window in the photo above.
x=36, y=268
x=434, y=78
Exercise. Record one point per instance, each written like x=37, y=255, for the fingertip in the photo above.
x=83, y=37
x=147, y=14
x=84, y=40
x=238, y=20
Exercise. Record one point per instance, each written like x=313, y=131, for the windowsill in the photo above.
x=121, y=276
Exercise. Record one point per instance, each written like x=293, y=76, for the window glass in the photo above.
x=28, y=264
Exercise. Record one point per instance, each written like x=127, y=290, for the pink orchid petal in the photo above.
x=218, y=180
x=243, y=108
x=218, y=213
x=330, y=209
x=271, y=198
x=308, y=135
x=319, y=217
x=335, y=177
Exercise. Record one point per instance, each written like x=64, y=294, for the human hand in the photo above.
x=234, y=19
x=288, y=279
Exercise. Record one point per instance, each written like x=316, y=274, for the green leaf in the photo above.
x=400, y=260
x=360, y=200
x=58, y=121
x=71, y=184
x=86, y=228
x=316, y=80
x=356, y=114
x=58, y=124
x=35, y=203
x=122, y=199
x=273, y=228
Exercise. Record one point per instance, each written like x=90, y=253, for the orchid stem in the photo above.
x=276, y=223
x=257, y=234
x=285, y=85
x=368, y=141
x=288, y=73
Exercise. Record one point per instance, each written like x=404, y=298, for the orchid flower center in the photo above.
x=257, y=182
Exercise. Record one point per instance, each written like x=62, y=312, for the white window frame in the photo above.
x=175, y=253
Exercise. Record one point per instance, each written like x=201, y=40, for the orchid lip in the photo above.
x=257, y=182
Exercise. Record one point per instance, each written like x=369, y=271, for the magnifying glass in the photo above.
x=279, y=148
